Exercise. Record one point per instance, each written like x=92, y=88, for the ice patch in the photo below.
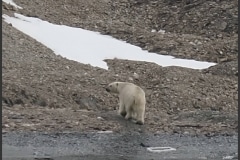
x=105, y=132
x=160, y=149
x=90, y=47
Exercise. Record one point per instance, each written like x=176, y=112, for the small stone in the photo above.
x=68, y=121
x=6, y=126
x=68, y=126
x=192, y=43
x=163, y=52
x=105, y=132
x=166, y=129
x=199, y=43
x=144, y=145
x=27, y=125
x=223, y=25
x=100, y=118
x=135, y=75
x=130, y=79
x=186, y=132
x=161, y=31
x=153, y=30
x=220, y=52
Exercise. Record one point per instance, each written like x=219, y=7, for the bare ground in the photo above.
x=42, y=91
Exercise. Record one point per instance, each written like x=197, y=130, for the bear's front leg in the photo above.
x=128, y=116
x=129, y=113
x=122, y=110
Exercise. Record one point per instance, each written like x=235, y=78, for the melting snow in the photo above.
x=12, y=3
x=90, y=47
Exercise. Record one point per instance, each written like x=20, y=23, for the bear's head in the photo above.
x=113, y=87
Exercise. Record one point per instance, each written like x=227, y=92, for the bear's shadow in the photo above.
x=127, y=125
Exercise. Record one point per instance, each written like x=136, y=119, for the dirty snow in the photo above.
x=12, y=3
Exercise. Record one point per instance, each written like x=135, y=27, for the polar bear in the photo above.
x=132, y=100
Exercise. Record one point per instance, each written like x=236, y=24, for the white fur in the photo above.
x=132, y=100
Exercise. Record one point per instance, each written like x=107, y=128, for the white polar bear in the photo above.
x=132, y=100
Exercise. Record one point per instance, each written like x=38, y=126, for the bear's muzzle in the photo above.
x=107, y=89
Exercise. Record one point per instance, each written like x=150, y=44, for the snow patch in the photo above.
x=90, y=47
x=12, y=3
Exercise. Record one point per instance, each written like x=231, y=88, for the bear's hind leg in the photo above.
x=140, y=116
x=123, y=113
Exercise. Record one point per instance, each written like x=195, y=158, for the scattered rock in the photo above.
x=88, y=103
x=136, y=76
x=34, y=76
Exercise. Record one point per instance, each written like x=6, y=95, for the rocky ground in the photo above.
x=42, y=91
